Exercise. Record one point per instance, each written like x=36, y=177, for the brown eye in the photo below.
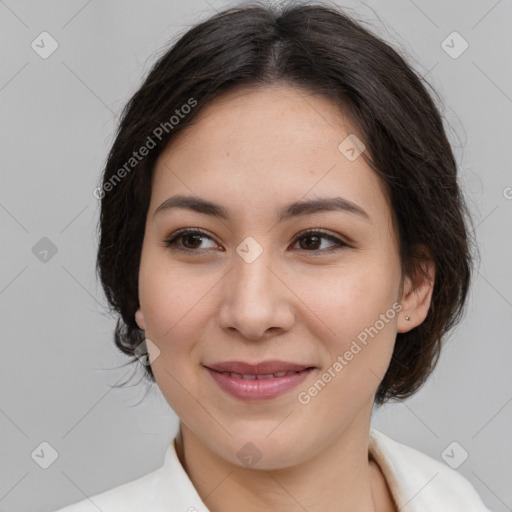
x=314, y=240
x=189, y=241
x=191, y=238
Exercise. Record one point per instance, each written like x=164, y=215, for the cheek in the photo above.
x=344, y=300
x=355, y=314
x=174, y=304
x=172, y=298
x=359, y=344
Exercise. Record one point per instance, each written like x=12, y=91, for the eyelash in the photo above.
x=171, y=242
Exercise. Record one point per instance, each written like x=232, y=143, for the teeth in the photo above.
x=259, y=377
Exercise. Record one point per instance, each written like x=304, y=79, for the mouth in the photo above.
x=261, y=381
x=249, y=376
x=264, y=368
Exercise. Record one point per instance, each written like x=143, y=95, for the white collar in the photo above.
x=417, y=482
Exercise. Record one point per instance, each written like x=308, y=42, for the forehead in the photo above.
x=272, y=115
x=263, y=147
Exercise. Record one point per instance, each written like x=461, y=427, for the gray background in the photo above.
x=59, y=366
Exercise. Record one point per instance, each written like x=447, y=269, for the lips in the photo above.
x=249, y=376
x=264, y=370
x=258, y=382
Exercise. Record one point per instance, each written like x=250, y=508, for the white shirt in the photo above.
x=417, y=482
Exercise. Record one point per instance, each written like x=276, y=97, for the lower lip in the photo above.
x=256, y=389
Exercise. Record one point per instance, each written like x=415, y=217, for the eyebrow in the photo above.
x=289, y=211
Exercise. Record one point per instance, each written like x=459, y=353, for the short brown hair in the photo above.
x=321, y=49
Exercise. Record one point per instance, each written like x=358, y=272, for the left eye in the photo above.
x=194, y=235
x=317, y=236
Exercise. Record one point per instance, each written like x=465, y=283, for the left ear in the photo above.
x=417, y=291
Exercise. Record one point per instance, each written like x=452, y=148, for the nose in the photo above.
x=256, y=299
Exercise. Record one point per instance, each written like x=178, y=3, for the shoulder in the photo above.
x=420, y=483
x=130, y=496
x=165, y=489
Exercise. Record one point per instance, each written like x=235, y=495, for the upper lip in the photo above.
x=263, y=368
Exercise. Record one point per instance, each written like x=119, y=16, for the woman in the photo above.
x=256, y=132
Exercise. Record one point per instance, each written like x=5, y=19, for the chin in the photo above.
x=261, y=452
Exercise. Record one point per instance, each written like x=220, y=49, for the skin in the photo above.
x=253, y=151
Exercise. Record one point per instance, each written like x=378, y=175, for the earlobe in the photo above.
x=417, y=296
x=139, y=318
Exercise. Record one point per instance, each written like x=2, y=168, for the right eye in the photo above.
x=188, y=235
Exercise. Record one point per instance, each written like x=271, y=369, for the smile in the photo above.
x=258, y=387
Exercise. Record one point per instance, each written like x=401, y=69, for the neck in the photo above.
x=341, y=477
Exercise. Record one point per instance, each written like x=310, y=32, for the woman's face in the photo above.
x=253, y=288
